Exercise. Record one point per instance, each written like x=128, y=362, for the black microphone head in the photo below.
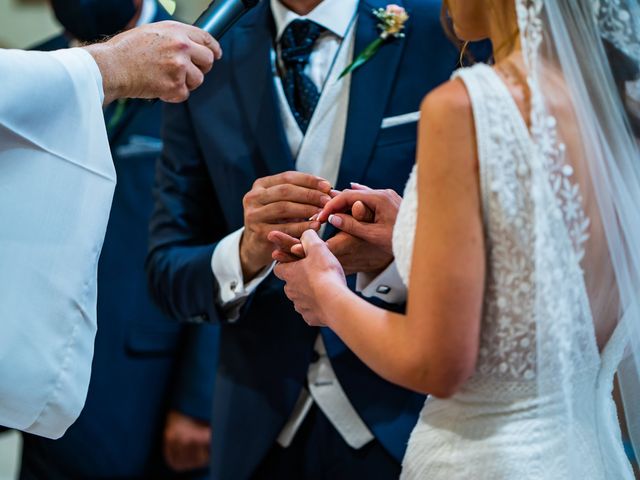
x=251, y=3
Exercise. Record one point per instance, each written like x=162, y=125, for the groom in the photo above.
x=243, y=157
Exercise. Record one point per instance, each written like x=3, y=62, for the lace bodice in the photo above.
x=513, y=190
x=513, y=419
x=508, y=335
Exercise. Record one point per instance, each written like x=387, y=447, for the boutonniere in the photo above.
x=392, y=23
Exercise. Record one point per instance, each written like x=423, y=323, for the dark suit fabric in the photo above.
x=216, y=145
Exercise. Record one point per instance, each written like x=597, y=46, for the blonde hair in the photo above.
x=449, y=30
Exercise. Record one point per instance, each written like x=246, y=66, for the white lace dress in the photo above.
x=499, y=426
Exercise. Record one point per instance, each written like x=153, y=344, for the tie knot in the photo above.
x=298, y=40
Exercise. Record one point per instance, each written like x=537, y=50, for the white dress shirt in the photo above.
x=56, y=186
x=319, y=152
x=386, y=285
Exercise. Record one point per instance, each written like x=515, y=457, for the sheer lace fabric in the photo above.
x=509, y=421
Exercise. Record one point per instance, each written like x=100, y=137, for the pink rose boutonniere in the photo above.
x=392, y=23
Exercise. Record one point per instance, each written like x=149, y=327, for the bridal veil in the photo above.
x=582, y=59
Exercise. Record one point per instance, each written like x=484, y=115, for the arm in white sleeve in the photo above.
x=227, y=268
x=387, y=285
x=56, y=185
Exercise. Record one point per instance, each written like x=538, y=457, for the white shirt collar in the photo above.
x=148, y=12
x=334, y=15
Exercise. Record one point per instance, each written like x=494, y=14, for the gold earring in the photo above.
x=463, y=52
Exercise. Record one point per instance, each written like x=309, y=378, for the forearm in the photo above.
x=182, y=283
x=382, y=339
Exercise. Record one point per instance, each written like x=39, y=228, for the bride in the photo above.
x=519, y=238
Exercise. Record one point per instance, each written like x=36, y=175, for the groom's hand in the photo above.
x=358, y=256
x=282, y=203
x=186, y=442
x=354, y=254
x=163, y=60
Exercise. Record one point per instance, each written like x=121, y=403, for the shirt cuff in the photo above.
x=386, y=286
x=87, y=59
x=227, y=268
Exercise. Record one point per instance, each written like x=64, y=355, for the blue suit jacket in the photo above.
x=216, y=145
x=144, y=363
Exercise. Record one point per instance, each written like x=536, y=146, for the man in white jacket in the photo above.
x=56, y=185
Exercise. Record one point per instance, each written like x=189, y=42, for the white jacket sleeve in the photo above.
x=56, y=186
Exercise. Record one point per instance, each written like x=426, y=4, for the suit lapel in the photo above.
x=251, y=46
x=371, y=87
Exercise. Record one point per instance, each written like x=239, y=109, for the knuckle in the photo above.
x=199, y=80
x=249, y=215
x=183, y=94
x=281, y=190
x=180, y=65
x=251, y=195
x=176, y=84
x=256, y=184
x=288, y=177
x=179, y=44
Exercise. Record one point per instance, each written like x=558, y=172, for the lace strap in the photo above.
x=480, y=97
x=498, y=122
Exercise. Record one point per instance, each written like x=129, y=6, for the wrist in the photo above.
x=250, y=259
x=330, y=298
x=113, y=81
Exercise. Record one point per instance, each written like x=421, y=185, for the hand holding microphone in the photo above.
x=166, y=60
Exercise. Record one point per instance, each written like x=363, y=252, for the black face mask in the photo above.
x=90, y=20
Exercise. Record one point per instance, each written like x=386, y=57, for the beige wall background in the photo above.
x=27, y=22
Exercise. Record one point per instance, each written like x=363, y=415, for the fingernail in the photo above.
x=324, y=200
x=354, y=184
x=314, y=217
x=315, y=226
x=335, y=221
x=324, y=186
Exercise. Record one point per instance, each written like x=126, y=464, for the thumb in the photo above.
x=310, y=240
x=348, y=224
x=362, y=213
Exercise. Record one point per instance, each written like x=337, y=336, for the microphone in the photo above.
x=221, y=15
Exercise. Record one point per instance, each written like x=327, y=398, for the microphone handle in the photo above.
x=220, y=16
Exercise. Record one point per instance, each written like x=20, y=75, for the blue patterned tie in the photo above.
x=296, y=45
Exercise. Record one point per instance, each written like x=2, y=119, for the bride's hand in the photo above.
x=381, y=205
x=310, y=282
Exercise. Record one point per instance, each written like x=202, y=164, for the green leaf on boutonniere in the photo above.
x=364, y=57
x=392, y=23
